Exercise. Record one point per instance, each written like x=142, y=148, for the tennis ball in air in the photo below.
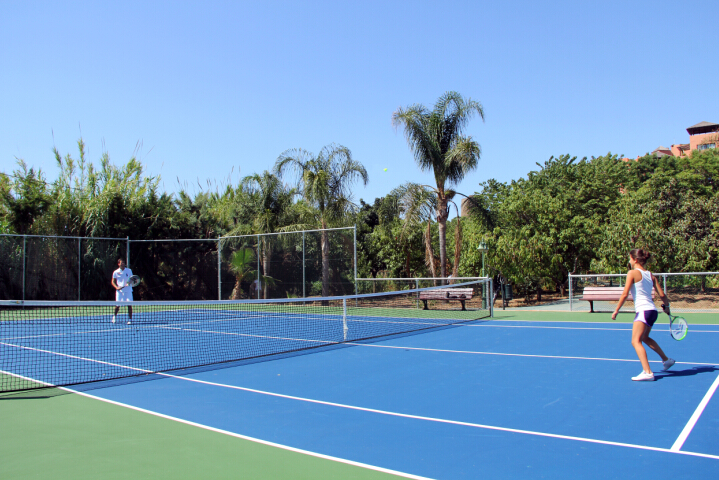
x=385, y=169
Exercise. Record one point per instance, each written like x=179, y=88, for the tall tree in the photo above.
x=324, y=181
x=416, y=205
x=437, y=140
x=274, y=212
x=25, y=198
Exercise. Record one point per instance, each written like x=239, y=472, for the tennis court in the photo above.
x=522, y=395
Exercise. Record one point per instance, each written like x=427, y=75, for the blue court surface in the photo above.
x=487, y=399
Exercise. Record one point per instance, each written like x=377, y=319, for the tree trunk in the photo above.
x=457, y=248
x=236, y=291
x=428, y=253
x=406, y=262
x=442, y=224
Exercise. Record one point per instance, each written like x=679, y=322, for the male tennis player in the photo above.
x=639, y=283
x=123, y=290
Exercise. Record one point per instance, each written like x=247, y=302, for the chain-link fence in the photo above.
x=385, y=285
x=288, y=265
x=283, y=265
x=688, y=292
x=34, y=267
x=382, y=285
x=174, y=269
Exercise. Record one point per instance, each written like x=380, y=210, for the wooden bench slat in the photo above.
x=606, y=294
x=459, y=294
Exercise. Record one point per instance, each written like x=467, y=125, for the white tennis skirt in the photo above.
x=124, y=295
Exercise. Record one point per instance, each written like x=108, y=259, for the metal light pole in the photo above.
x=483, y=248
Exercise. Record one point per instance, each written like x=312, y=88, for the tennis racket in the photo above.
x=678, y=327
x=133, y=281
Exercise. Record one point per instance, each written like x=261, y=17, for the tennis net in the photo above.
x=67, y=343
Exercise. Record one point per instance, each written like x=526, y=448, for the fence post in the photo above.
x=259, y=283
x=24, y=247
x=570, y=292
x=491, y=300
x=303, y=265
x=416, y=285
x=355, y=253
x=665, y=283
x=128, y=252
x=219, y=268
x=79, y=268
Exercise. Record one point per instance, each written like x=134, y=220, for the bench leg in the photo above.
x=591, y=306
x=463, y=309
x=425, y=305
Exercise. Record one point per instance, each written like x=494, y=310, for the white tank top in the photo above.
x=642, y=293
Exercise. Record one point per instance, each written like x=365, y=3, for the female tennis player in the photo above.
x=639, y=283
x=123, y=290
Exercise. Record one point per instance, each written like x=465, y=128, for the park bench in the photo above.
x=605, y=294
x=459, y=294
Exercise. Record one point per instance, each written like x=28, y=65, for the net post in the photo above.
x=344, y=318
x=219, y=268
x=570, y=292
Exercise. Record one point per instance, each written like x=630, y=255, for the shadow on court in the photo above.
x=685, y=373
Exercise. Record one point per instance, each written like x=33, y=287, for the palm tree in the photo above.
x=417, y=205
x=241, y=267
x=324, y=181
x=437, y=140
x=273, y=211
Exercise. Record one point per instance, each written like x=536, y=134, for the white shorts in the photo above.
x=123, y=295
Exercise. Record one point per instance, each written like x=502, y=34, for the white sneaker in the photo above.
x=668, y=364
x=644, y=377
x=113, y=319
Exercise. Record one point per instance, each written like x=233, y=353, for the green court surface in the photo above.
x=50, y=433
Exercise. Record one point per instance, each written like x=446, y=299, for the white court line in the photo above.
x=326, y=342
x=60, y=354
x=440, y=420
x=695, y=417
x=383, y=412
x=231, y=434
x=492, y=325
x=472, y=352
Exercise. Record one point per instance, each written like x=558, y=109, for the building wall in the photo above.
x=703, y=138
x=680, y=150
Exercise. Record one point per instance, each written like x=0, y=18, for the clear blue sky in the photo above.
x=211, y=86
